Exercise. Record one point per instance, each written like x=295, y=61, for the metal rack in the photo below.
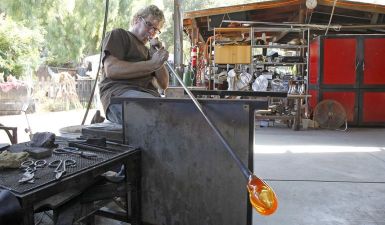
x=249, y=38
x=300, y=49
x=223, y=58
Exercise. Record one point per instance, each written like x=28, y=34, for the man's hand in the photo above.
x=154, y=45
x=159, y=57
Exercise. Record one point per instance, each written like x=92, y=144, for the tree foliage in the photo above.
x=19, y=47
x=73, y=29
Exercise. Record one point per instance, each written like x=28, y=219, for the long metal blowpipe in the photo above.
x=262, y=196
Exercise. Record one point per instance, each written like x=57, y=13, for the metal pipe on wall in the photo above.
x=178, y=40
x=310, y=26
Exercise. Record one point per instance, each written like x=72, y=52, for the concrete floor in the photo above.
x=323, y=177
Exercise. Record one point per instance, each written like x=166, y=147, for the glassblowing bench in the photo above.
x=81, y=177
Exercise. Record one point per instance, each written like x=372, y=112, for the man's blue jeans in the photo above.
x=114, y=111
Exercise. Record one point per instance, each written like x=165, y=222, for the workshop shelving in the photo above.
x=243, y=46
x=239, y=45
x=231, y=47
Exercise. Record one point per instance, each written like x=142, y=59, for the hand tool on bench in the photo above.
x=30, y=167
x=91, y=147
x=262, y=196
x=74, y=151
x=61, y=166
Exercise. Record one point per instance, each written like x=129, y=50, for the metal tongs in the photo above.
x=74, y=151
x=29, y=167
x=61, y=166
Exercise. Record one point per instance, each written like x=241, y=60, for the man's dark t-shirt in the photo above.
x=125, y=46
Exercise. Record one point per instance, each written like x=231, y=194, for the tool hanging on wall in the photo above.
x=262, y=196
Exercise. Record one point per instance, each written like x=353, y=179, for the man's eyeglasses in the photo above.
x=150, y=26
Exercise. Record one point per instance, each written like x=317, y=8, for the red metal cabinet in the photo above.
x=333, y=62
x=347, y=61
x=351, y=70
x=339, y=59
x=314, y=60
x=373, y=64
x=372, y=102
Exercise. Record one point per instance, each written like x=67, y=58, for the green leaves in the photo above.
x=19, y=47
x=72, y=29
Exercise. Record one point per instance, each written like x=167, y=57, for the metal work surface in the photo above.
x=81, y=177
x=110, y=131
x=187, y=175
x=43, y=176
x=223, y=93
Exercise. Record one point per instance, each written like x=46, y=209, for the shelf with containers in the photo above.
x=285, y=68
x=248, y=48
x=232, y=46
x=242, y=46
x=285, y=62
x=231, y=49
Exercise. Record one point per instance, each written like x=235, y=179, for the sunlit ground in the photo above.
x=278, y=140
x=43, y=122
x=277, y=149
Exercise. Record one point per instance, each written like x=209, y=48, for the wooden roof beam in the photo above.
x=196, y=36
x=359, y=6
x=374, y=19
x=241, y=8
x=278, y=17
x=282, y=34
x=343, y=11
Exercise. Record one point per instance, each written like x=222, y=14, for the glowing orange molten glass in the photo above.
x=262, y=197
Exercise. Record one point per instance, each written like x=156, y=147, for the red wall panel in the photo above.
x=373, y=107
x=314, y=62
x=374, y=66
x=339, y=67
x=351, y=70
